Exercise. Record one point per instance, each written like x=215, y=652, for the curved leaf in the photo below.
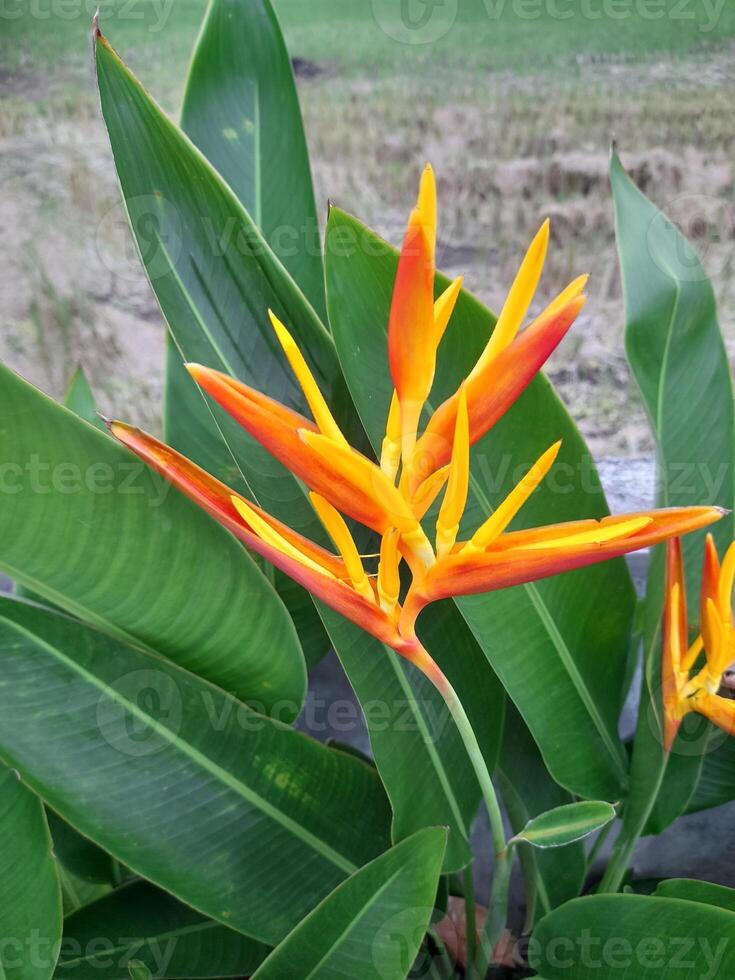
x=698, y=891
x=372, y=925
x=30, y=897
x=544, y=639
x=566, y=824
x=87, y=527
x=240, y=817
x=636, y=937
x=241, y=109
x=677, y=355
x=139, y=921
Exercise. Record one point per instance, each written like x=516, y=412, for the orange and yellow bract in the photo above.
x=684, y=687
x=391, y=496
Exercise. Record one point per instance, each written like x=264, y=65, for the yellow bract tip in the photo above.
x=272, y=537
x=507, y=510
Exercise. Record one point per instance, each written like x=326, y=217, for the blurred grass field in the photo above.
x=514, y=102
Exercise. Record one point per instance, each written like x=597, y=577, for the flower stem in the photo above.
x=498, y=911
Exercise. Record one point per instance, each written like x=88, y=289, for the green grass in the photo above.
x=365, y=36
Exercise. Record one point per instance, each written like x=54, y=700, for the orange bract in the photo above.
x=686, y=689
x=393, y=496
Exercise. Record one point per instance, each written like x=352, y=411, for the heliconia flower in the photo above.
x=684, y=688
x=393, y=496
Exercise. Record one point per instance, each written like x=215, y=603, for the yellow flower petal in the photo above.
x=519, y=299
x=345, y=544
x=319, y=408
x=389, y=579
x=269, y=534
x=455, y=498
x=499, y=521
x=599, y=535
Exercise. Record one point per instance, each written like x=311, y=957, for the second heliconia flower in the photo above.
x=416, y=469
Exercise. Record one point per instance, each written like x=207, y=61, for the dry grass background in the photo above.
x=509, y=147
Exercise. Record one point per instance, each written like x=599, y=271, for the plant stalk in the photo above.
x=498, y=911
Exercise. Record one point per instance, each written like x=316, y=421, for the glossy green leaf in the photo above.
x=372, y=925
x=171, y=940
x=138, y=971
x=239, y=288
x=677, y=355
x=716, y=784
x=559, y=646
x=239, y=816
x=555, y=875
x=78, y=854
x=89, y=528
x=566, y=824
x=635, y=937
x=215, y=278
x=698, y=891
x=241, y=109
x=30, y=897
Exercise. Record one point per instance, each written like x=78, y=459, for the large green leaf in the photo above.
x=30, y=896
x=559, y=646
x=87, y=527
x=240, y=817
x=215, y=278
x=372, y=925
x=554, y=876
x=698, y=891
x=677, y=355
x=635, y=937
x=138, y=921
x=241, y=109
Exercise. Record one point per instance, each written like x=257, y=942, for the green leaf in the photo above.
x=241, y=109
x=89, y=528
x=138, y=971
x=168, y=938
x=78, y=854
x=80, y=400
x=716, y=784
x=552, y=876
x=566, y=824
x=372, y=925
x=30, y=897
x=559, y=646
x=677, y=355
x=239, y=816
x=698, y=891
x=635, y=937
